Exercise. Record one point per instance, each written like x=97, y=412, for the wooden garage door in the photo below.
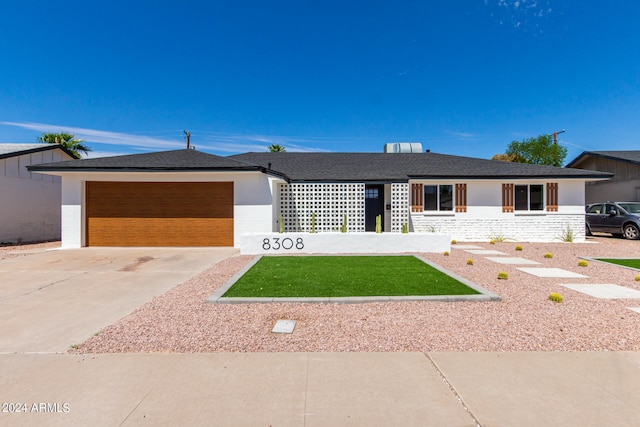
x=159, y=213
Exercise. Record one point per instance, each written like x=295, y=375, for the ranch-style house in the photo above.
x=191, y=198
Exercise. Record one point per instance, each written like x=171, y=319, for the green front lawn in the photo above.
x=633, y=263
x=344, y=276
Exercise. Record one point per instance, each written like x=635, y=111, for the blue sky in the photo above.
x=463, y=77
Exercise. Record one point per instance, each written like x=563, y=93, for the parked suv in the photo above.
x=617, y=218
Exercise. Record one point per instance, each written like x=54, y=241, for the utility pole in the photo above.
x=555, y=136
x=188, y=138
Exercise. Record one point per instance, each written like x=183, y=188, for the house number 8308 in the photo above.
x=287, y=243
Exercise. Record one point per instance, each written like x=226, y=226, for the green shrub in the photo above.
x=453, y=242
x=555, y=297
x=583, y=263
x=343, y=227
x=518, y=248
x=638, y=278
x=492, y=242
x=379, y=224
x=446, y=253
x=469, y=261
x=313, y=222
x=502, y=275
x=405, y=228
x=548, y=255
x=281, y=224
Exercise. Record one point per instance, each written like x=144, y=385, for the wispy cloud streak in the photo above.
x=102, y=137
x=213, y=141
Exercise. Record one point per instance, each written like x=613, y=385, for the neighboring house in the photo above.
x=625, y=167
x=190, y=198
x=30, y=202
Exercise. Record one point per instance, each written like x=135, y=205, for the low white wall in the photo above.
x=337, y=243
x=515, y=227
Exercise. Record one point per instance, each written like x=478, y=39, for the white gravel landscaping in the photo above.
x=181, y=321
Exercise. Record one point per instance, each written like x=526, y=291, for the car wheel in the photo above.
x=587, y=230
x=631, y=232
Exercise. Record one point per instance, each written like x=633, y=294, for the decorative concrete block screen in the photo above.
x=329, y=203
x=399, y=206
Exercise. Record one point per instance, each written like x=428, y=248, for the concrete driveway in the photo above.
x=53, y=299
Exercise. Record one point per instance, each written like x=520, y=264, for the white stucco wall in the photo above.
x=29, y=202
x=484, y=218
x=252, y=199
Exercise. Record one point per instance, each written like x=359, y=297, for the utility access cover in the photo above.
x=284, y=327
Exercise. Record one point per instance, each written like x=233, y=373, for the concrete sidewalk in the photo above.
x=320, y=389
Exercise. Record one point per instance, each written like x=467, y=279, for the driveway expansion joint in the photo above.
x=452, y=389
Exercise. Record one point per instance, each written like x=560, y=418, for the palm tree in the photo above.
x=67, y=140
x=277, y=148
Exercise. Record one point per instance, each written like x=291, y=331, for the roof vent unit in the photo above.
x=403, y=147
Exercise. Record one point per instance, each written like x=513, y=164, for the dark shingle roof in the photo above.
x=399, y=167
x=177, y=160
x=14, y=150
x=324, y=167
x=630, y=156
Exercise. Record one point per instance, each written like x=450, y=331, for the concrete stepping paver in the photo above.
x=512, y=260
x=636, y=309
x=458, y=246
x=284, y=326
x=603, y=290
x=485, y=252
x=552, y=273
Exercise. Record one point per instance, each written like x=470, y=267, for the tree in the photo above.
x=277, y=148
x=67, y=140
x=540, y=150
x=507, y=158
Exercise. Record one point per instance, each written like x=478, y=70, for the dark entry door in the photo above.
x=373, y=205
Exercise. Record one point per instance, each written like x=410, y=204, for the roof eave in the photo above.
x=590, y=176
x=36, y=168
x=585, y=154
x=46, y=147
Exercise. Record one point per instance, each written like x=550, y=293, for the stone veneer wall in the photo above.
x=523, y=228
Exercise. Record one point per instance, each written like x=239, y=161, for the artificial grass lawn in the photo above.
x=344, y=276
x=633, y=263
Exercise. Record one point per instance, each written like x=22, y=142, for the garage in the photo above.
x=159, y=213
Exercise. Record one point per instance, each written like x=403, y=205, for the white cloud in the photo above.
x=209, y=141
x=463, y=135
x=102, y=137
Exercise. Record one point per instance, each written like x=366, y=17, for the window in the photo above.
x=438, y=197
x=595, y=209
x=528, y=197
x=371, y=193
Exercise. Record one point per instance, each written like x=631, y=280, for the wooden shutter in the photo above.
x=461, y=197
x=552, y=197
x=416, y=198
x=507, y=197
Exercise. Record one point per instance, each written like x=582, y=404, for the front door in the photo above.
x=373, y=205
